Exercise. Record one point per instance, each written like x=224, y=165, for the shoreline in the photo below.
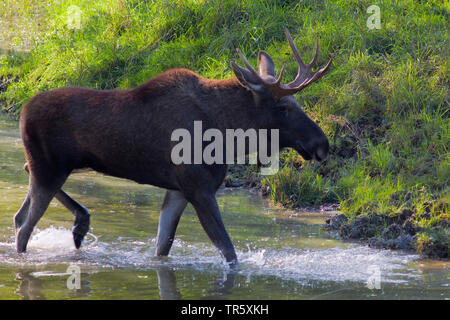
x=396, y=232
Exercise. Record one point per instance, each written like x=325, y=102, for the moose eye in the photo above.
x=283, y=110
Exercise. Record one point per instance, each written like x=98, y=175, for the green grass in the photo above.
x=384, y=104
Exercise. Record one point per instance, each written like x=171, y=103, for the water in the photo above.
x=283, y=254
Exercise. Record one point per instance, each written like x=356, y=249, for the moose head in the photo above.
x=297, y=130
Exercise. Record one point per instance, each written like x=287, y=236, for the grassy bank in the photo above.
x=384, y=103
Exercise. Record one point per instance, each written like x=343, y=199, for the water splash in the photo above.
x=333, y=264
x=330, y=264
x=52, y=239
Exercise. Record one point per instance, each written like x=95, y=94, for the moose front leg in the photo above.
x=208, y=213
x=172, y=208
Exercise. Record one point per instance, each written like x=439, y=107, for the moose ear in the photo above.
x=266, y=67
x=246, y=78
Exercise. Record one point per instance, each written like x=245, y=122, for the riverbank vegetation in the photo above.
x=384, y=104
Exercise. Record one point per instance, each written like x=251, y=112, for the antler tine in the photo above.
x=324, y=69
x=305, y=75
x=303, y=69
x=313, y=61
x=249, y=66
x=294, y=48
x=316, y=76
x=280, y=76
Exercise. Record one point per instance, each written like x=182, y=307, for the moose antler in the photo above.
x=304, y=78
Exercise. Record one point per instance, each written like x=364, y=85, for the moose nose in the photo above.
x=319, y=156
x=322, y=152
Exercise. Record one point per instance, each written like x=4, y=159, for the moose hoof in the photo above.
x=22, y=237
x=233, y=264
x=78, y=239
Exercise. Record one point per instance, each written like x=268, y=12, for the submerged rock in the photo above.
x=377, y=243
x=396, y=232
x=404, y=215
x=359, y=228
x=406, y=242
x=335, y=222
x=409, y=227
x=230, y=182
x=434, y=249
x=403, y=242
x=392, y=231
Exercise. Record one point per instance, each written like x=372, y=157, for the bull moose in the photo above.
x=126, y=134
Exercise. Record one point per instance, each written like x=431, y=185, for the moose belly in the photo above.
x=143, y=164
x=157, y=175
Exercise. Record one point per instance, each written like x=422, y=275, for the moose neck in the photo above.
x=233, y=106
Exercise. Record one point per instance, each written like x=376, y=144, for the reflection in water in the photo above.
x=30, y=288
x=32, y=285
x=168, y=289
x=225, y=285
x=167, y=283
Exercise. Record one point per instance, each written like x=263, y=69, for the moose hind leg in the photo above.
x=40, y=197
x=21, y=215
x=173, y=206
x=81, y=214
